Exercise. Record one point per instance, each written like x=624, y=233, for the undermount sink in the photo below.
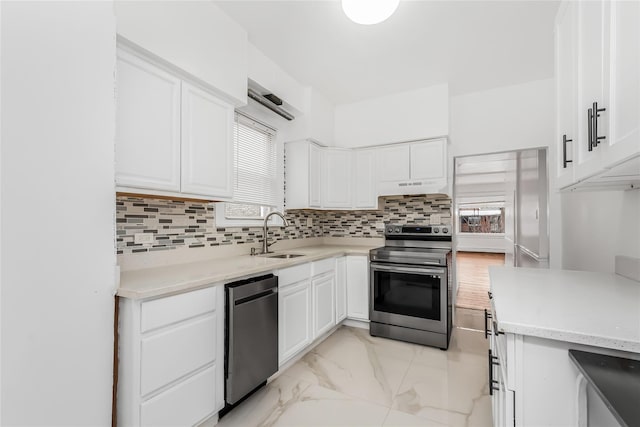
x=284, y=256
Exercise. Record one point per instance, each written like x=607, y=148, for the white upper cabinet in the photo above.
x=173, y=139
x=592, y=73
x=392, y=163
x=597, y=46
x=429, y=160
x=412, y=168
x=207, y=140
x=147, y=125
x=303, y=175
x=624, y=88
x=337, y=178
x=365, y=195
x=351, y=179
x=315, y=176
x=566, y=91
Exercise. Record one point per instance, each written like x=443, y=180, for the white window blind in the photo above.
x=255, y=163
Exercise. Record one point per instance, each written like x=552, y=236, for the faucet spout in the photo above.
x=265, y=230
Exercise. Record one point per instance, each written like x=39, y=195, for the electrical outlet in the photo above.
x=309, y=222
x=380, y=225
x=143, y=238
x=435, y=219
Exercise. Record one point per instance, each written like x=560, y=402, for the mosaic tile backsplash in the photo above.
x=184, y=224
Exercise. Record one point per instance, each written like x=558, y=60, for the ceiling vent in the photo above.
x=270, y=101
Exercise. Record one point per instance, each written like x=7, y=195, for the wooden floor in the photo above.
x=473, y=278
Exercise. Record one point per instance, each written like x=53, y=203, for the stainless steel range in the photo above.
x=410, y=298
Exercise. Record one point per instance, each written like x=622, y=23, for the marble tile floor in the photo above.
x=353, y=379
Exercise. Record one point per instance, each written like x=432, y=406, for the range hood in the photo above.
x=268, y=103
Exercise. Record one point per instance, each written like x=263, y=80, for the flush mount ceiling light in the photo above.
x=368, y=12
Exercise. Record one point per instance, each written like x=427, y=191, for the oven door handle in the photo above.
x=400, y=269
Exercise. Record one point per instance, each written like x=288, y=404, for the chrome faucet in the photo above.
x=265, y=229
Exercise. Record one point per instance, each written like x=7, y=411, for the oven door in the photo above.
x=409, y=296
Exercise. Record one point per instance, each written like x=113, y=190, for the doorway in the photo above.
x=500, y=215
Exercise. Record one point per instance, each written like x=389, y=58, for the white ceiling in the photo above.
x=472, y=45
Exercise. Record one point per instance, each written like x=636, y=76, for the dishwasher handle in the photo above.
x=256, y=296
x=241, y=290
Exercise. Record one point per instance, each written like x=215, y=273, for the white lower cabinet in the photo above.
x=171, y=359
x=341, y=289
x=358, y=287
x=312, y=301
x=535, y=383
x=324, y=302
x=294, y=319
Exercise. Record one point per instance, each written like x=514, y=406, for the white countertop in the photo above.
x=598, y=309
x=166, y=280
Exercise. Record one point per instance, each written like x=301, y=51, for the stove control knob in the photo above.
x=445, y=230
x=397, y=229
x=436, y=230
x=390, y=230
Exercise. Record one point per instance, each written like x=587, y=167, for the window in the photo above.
x=255, y=175
x=485, y=218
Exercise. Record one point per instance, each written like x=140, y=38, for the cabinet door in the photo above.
x=337, y=178
x=624, y=138
x=297, y=175
x=324, y=314
x=364, y=183
x=429, y=160
x=294, y=319
x=315, y=178
x=566, y=91
x=341, y=289
x=147, y=125
x=207, y=144
x=392, y=163
x=358, y=287
x=593, y=71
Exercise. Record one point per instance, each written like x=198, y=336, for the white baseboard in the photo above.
x=628, y=267
x=356, y=323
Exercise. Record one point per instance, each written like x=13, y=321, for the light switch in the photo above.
x=309, y=222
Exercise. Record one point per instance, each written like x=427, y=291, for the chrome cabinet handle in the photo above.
x=564, y=151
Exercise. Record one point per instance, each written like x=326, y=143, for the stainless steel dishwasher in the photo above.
x=251, y=338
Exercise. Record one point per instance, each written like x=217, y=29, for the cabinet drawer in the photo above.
x=323, y=266
x=183, y=405
x=165, y=311
x=288, y=276
x=173, y=353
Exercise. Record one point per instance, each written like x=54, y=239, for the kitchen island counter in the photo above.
x=596, y=309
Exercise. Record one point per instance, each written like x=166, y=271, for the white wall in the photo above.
x=511, y=118
x=313, y=111
x=57, y=203
x=597, y=226
x=195, y=36
x=321, y=116
x=480, y=243
x=503, y=119
x=406, y=116
x=269, y=75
